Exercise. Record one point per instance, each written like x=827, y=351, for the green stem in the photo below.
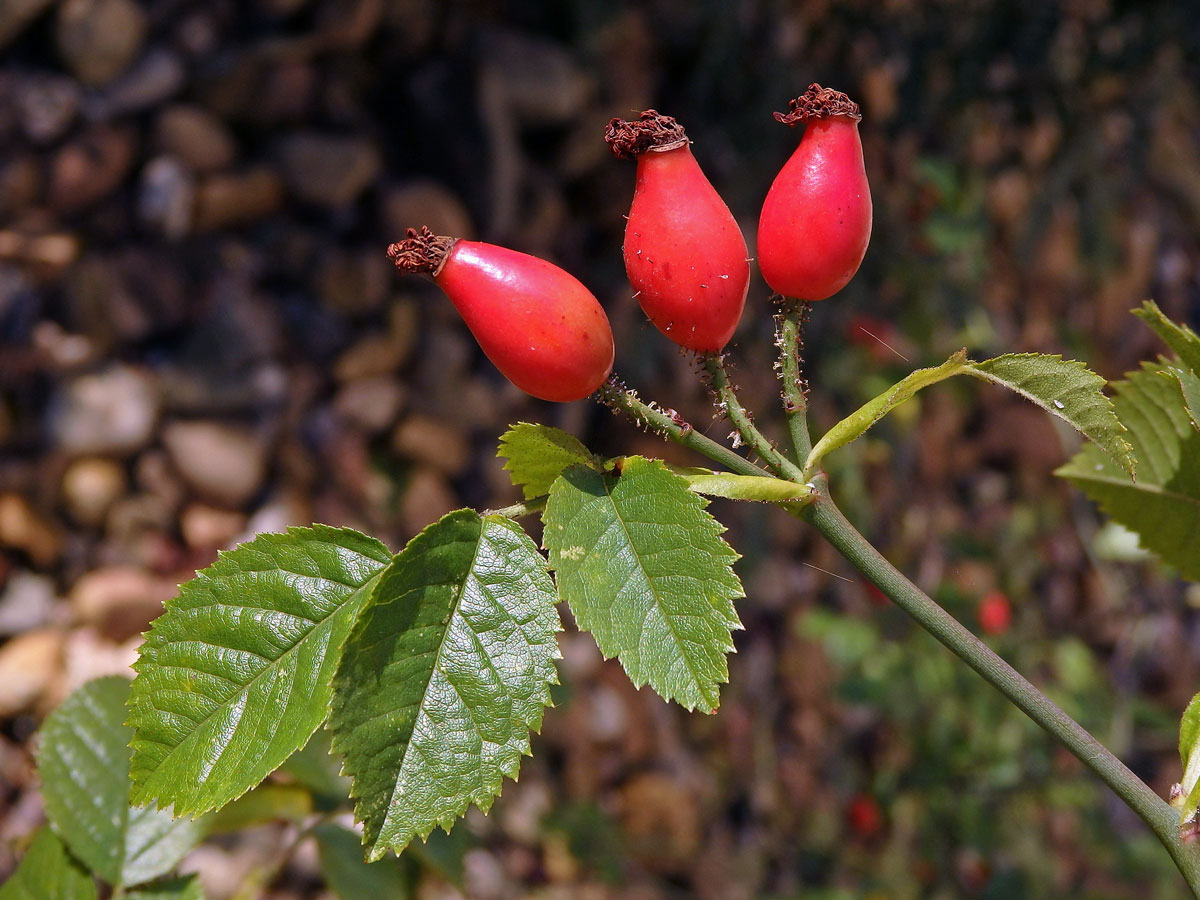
x=1152, y=809
x=795, y=404
x=516, y=510
x=614, y=395
x=728, y=403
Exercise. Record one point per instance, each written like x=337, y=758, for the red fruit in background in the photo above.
x=816, y=220
x=684, y=253
x=995, y=613
x=538, y=325
x=864, y=816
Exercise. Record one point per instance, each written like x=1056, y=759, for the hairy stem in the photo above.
x=517, y=510
x=1152, y=809
x=795, y=404
x=728, y=403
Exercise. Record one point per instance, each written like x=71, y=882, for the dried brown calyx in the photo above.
x=421, y=252
x=649, y=131
x=818, y=103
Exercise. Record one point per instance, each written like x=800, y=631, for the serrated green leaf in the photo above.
x=537, y=454
x=341, y=857
x=176, y=889
x=315, y=767
x=645, y=570
x=1065, y=388
x=748, y=487
x=1163, y=505
x=48, y=872
x=235, y=675
x=1189, y=755
x=858, y=422
x=1180, y=338
x=1189, y=386
x=444, y=675
x=83, y=761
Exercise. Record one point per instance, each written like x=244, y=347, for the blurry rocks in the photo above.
x=329, y=170
x=88, y=169
x=120, y=601
x=109, y=412
x=98, y=39
x=370, y=403
x=16, y=14
x=158, y=76
x=48, y=106
x=381, y=354
x=354, y=282
x=24, y=528
x=223, y=463
x=196, y=137
x=27, y=602
x=432, y=442
x=205, y=527
x=167, y=196
x=226, y=200
x=89, y=488
x=28, y=665
x=427, y=497
x=426, y=203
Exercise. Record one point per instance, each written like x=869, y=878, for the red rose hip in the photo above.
x=538, y=324
x=816, y=220
x=684, y=253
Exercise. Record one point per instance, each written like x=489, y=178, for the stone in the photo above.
x=329, y=170
x=370, y=403
x=429, y=203
x=23, y=528
x=28, y=601
x=156, y=77
x=16, y=14
x=111, y=412
x=196, y=137
x=167, y=197
x=88, y=169
x=89, y=488
x=225, y=200
x=427, y=440
x=223, y=463
x=426, y=498
x=48, y=105
x=28, y=666
x=88, y=655
x=354, y=282
x=98, y=39
x=381, y=354
x=120, y=601
x=205, y=527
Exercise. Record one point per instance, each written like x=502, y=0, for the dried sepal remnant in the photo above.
x=421, y=252
x=818, y=103
x=649, y=131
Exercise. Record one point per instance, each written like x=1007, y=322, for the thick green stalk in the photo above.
x=614, y=395
x=731, y=406
x=1152, y=809
x=795, y=404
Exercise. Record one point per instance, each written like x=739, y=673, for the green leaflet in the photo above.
x=83, y=761
x=537, y=454
x=644, y=568
x=174, y=889
x=1180, y=338
x=444, y=675
x=1065, y=388
x=1163, y=505
x=1189, y=755
x=858, y=422
x=236, y=674
x=1189, y=386
x=48, y=873
x=748, y=487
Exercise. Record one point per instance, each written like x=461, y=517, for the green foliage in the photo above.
x=1180, y=338
x=858, y=422
x=83, y=761
x=48, y=873
x=1163, y=505
x=236, y=674
x=340, y=853
x=747, y=487
x=1189, y=755
x=445, y=673
x=644, y=568
x=175, y=889
x=537, y=454
x=1065, y=388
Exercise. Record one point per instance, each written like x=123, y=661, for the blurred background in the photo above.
x=201, y=338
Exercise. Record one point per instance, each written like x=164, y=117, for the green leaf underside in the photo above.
x=858, y=422
x=444, y=675
x=176, y=889
x=1065, y=388
x=1189, y=755
x=1189, y=385
x=83, y=762
x=645, y=570
x=537, y=454
x=1163, y=505
x=236, y=674
x=48, y=872
x=748, y=487
x=1180, y=338
x=349, y=878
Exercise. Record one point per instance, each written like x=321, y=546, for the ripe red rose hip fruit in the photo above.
x=538, y=325
x=684, y=253
x=995, y=613
x=816, y=220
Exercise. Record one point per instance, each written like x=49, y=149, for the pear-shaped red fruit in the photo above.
x=816, y=220
x=684, y=253
x=537, y=323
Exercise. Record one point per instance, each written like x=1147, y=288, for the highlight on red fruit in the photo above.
x=995, y=613
x=684, y=253
x=537, y=323
x=816, y=221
